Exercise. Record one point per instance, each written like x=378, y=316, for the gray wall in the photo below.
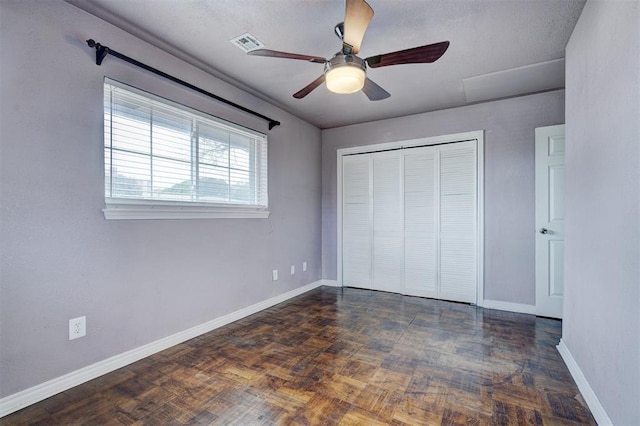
x=136, y=281
x=509, y=180
x=601, y=324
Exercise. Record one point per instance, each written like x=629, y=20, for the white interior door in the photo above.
x=550, y=172
x=387, y=222
x=356, y=221
x=420, y=222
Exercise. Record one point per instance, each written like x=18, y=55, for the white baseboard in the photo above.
x=598, y=411
x=509, y=306
x=22, y=399
x=330, y=283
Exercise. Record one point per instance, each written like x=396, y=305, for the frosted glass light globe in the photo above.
x=345, y=79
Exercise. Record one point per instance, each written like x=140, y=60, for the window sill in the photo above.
x=159, y=211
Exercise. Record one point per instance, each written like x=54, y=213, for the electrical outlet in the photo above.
x=274, y=275
x=304, y=266
x=77, y=327
x=293, y=269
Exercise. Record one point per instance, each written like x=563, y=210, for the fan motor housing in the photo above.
x=340, y=59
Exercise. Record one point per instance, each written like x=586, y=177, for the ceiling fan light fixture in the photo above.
x=346, y=72
x=345, y=79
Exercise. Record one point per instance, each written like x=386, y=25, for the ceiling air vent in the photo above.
x=247, y=42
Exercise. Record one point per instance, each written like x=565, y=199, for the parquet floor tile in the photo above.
x=340, y=356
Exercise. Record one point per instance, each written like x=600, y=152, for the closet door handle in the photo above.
x=544, y=231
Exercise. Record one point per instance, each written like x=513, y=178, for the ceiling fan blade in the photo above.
x=286, y=55
x=373, y=91
x=357, y=16
x=309, y=87
x=416, y=55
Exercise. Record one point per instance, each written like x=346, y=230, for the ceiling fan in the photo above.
x=346, y=72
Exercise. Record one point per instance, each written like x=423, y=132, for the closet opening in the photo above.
x=410, y=217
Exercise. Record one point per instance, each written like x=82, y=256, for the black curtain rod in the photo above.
x=103, y=51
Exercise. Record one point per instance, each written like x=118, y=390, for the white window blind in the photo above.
x=163, y=157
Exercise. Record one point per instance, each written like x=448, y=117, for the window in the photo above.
x=163, y=160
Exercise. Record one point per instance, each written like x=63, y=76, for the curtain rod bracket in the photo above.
x=103, y=51
x=273, y=123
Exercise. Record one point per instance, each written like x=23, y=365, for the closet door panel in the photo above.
x=356, y=221
x=458, y=222
x=387, y=222
x=420, y=208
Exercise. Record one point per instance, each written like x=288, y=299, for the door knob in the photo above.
x=544, y=231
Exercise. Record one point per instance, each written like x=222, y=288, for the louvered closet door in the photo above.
x=387, y=222
x=458, y=217
x=420, y=222
x=356, y=222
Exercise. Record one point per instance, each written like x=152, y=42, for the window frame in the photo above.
x=140, y=208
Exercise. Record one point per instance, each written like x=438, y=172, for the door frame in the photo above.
x=478, y=136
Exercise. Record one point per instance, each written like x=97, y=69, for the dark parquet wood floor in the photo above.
x=333, y=356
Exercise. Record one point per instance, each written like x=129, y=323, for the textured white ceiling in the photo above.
x=486, y=36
